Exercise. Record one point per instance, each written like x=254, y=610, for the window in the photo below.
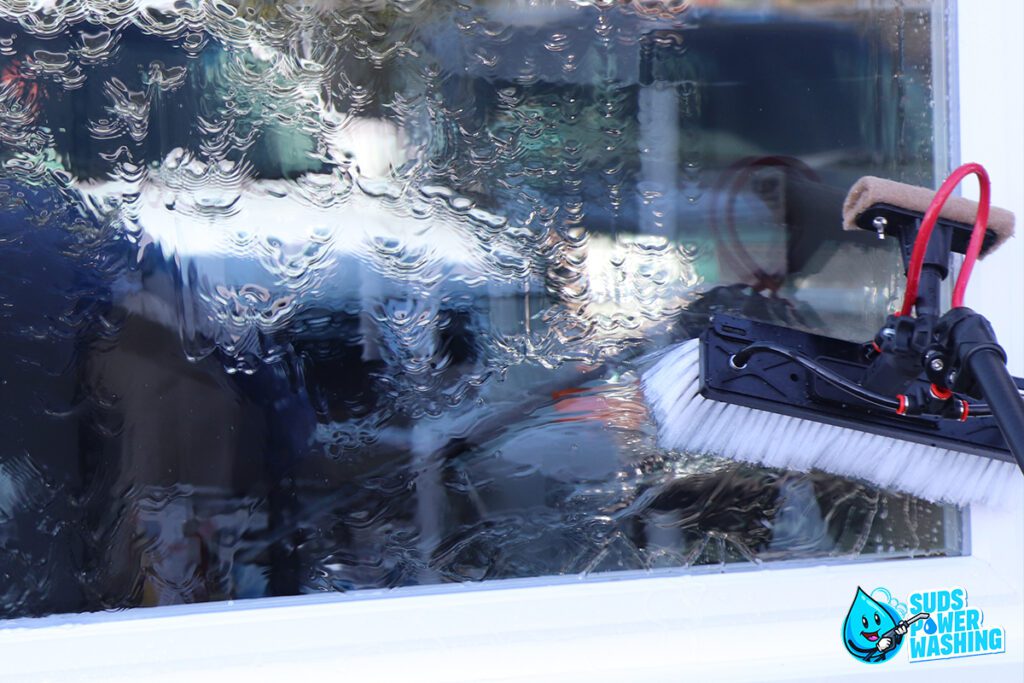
x=318, y=296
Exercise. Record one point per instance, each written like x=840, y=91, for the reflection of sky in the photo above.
x=266, y=210
x=279, y=235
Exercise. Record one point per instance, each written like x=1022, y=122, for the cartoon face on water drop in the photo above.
x=868, y=630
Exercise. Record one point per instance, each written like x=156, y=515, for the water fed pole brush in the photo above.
x=927, y=406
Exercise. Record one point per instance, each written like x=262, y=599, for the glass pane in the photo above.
x=308, y=295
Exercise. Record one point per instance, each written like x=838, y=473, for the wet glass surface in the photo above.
x=322, y=296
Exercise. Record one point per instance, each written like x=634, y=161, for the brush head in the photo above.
x=687, y=421
x=870, y=191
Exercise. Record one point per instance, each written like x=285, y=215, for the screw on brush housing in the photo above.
x=880, y=223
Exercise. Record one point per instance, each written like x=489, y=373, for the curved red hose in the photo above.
x=928, y=224
x=734, y=254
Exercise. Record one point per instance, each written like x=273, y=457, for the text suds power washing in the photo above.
x=954, y=629
x=934, y=625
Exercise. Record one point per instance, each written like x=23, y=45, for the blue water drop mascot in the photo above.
x=873, y=632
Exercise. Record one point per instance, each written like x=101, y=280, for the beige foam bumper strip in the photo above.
x=869, y=191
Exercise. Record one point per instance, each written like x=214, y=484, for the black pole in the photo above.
x=995, y=382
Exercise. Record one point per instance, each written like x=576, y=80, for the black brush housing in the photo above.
x=780, y=384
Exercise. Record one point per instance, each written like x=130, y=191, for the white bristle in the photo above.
x=689, y=422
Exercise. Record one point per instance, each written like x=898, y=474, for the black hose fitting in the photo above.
x=979, y=369
x=963, y=332
x=902, y=345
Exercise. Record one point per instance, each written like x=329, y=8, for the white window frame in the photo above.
x=777, y=623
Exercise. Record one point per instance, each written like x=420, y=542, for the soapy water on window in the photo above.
x=324, y=296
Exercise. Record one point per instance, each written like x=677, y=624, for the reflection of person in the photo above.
x=53, y=314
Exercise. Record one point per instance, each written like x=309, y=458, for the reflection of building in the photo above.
x=624, y=125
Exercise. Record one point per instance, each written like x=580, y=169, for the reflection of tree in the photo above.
x=26, y=146
x=551, y=140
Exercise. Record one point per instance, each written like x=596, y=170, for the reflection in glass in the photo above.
x=302, y=296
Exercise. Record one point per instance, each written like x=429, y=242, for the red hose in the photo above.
x=928, y=224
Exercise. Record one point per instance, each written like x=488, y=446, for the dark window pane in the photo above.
x=303, y=296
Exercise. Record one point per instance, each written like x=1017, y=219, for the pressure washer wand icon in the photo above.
x=887, y=640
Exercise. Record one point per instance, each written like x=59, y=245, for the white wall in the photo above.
x=991, y=55
x=991, y=64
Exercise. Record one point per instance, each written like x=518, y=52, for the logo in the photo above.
x=936, y=625
x=873, y=631
x=954, y=629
